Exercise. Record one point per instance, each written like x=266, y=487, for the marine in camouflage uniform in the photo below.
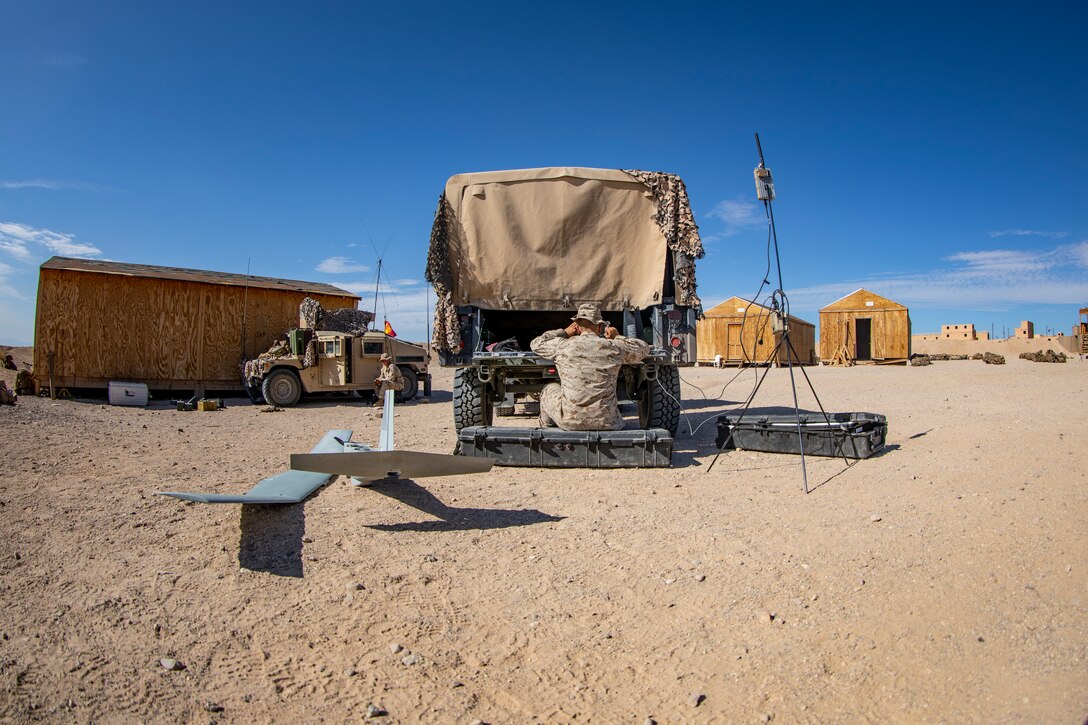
x=6, y=396
x=588, y=367
x=389, y=378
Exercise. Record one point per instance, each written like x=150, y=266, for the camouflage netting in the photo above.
x=447, y=328
x=353, y=322
x=309, y=313
x=309, y=357
x=251, y=369
x=677, y=224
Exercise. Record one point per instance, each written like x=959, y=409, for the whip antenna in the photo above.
x=780, y=322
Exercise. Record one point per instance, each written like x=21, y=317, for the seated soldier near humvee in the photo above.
x=588, y=367
x=389, y=378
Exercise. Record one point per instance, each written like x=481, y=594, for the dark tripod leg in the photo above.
x=827, y=418
x=748, y=403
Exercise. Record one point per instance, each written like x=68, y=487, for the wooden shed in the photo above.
x=741, y=333
x=171, y=328
x=865, y=327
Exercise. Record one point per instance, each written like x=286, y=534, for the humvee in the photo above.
x=343, y=362
x=514, y=253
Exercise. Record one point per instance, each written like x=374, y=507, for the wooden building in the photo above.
x=1081, y=330
x=171, y=328
x=864, y=327
x=741, y=333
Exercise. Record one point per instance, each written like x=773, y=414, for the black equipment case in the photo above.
x=554, y=448
x=853, y=435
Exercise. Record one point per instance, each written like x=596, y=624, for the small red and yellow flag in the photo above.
x=389, y=329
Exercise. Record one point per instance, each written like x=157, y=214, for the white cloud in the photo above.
x=364, y=288
x=6, y=290
x=1028, y=233
x=52, y=185
x=999, y=262
x=18, y=240
x=340, y=265
x=737, y=215
x=998, y=279
x=1079, y=253
x=64, y=60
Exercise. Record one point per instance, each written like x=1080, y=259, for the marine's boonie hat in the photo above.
x=386, y=357
x=589, y=312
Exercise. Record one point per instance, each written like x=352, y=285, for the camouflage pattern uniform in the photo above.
x=24, y=383
x=389, y=378
x=588, y=367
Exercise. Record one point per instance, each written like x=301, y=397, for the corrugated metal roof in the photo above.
x=193, y=275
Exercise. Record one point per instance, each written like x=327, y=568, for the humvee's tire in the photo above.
x=470, y=403
x=658, y=405
x=411, y=384
x=282, y=388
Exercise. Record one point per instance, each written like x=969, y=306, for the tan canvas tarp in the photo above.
x=554, y=238
x=550, y=239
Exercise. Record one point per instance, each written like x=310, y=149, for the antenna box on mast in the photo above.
x=764, y=183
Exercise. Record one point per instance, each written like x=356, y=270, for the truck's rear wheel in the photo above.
x=282, y=388
x=411, y=384
x=659, y=402
x=471, y=406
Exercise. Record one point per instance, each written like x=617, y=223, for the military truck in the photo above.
x=323, y=361
x=514, y=253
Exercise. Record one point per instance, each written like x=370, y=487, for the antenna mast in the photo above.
x=377, y=286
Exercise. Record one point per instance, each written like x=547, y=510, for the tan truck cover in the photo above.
x=554, y=238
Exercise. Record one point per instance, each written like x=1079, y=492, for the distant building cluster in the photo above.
x=957, y=332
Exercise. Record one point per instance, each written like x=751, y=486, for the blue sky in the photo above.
x=933, y=153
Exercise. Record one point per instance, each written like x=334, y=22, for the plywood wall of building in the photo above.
x=756, y=340
x=890, y=332
x=103, y=327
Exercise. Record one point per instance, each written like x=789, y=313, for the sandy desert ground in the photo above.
x=945, y=580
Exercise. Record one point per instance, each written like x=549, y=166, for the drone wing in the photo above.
x=374, y=465
x=290, y=486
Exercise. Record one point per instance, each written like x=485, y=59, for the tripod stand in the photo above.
x=780, y=323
